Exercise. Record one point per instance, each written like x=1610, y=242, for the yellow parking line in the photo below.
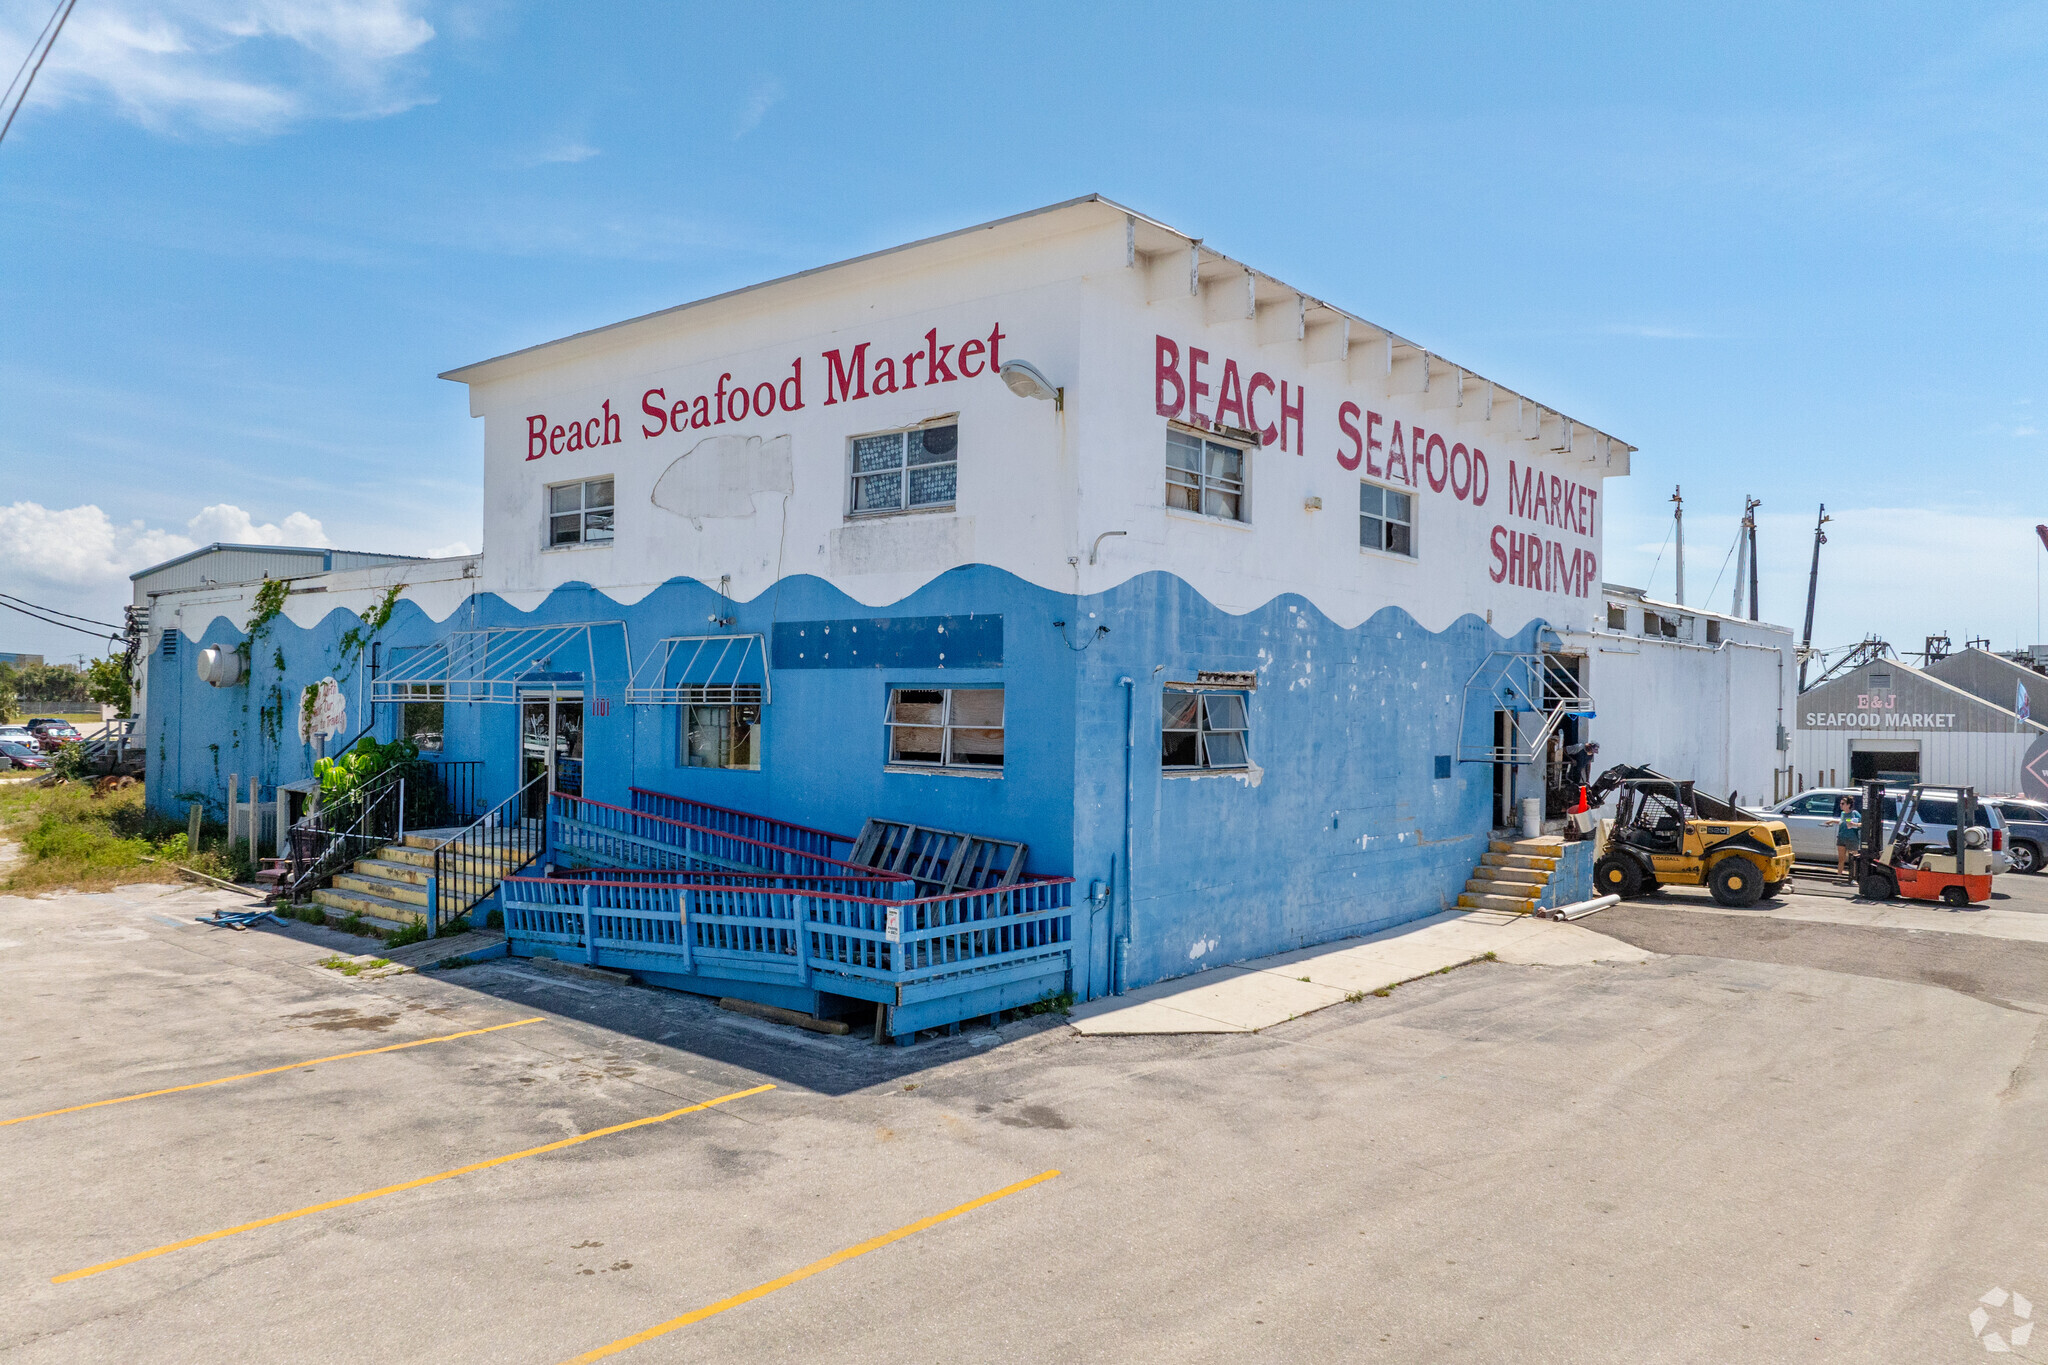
x=836, y=1258
x=166, y=1249
x=272, y=1071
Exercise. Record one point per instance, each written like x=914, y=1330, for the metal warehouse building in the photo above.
x=1251, y=616
x=1891, y=721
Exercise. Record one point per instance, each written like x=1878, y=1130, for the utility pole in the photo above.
x=1678, y=528
x=1820, y=538
x=1743, y=534
x=1749, y=525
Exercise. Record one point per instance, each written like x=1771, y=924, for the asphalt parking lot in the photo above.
x=1773, y=1152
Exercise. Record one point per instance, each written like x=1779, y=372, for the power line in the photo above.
x=54, y=27
x=33, y=48
x=37, y=606
x=62, y=625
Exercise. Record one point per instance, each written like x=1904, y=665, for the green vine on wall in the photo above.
x=270, y=596
x=270, y=716
x=356, y=639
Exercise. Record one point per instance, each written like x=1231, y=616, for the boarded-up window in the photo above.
x=946, y=727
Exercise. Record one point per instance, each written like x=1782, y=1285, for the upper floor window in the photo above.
x=1204, y=476
x=1386, y=520
x=580, y=513
x=905, y=471
x=1617, y=616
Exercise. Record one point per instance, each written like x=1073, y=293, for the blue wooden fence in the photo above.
x=727, y=906
x=781, y=833
x=599, y=834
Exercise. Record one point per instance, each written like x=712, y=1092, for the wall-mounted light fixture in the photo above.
x=1026, y=381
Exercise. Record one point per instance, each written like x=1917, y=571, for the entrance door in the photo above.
x=550, y=743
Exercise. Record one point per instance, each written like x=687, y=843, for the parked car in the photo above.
x=18, y=734
x=1810, y=819
x=15, y=754
x=2026, y=831
x=52, y=733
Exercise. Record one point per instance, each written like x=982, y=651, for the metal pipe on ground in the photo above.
x=1581, y=909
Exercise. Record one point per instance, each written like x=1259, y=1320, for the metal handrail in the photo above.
x=344, y=846
x=471, y=862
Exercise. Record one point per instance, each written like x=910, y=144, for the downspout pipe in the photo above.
x=1120, y=946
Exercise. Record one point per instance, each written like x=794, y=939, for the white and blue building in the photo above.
x=1246, y=613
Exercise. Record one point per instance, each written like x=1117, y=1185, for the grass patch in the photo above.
x=1052, y=1002
x=72, y=839
x=350, y=967
x=416, y=932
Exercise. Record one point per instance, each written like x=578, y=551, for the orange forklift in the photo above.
x=1958, y=873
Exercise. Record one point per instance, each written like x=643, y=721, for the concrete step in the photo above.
x=1469, y=901
x=1522, y=860
x=418, y=856
x=392, y=870
x=378, y=909
x=433, y=838
x=1495, y=865
x=1544, y=846
x=399, y=892
x=1517, y=891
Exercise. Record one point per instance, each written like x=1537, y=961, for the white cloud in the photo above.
x=77, y=546
x=241, y=67
x=228, y=523
x=766, y=95
x=82, y=547
x=565, y=151
x=453, y=550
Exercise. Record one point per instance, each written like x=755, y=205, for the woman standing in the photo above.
x=1848, y=834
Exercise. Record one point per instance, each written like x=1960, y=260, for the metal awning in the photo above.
x=499, y=664
x=1519, y=684
x=702, y=670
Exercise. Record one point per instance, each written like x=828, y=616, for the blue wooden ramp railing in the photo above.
x=697, y=903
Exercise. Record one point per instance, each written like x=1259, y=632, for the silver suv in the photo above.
x=1811, y=818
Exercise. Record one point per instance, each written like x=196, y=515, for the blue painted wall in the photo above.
x=1344, y=829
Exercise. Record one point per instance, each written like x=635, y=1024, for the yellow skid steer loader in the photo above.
x=1665, y=833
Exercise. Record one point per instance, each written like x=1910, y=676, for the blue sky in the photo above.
x=1792, y=251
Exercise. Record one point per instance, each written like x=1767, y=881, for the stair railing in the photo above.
x=469, y=864
x=374, y=816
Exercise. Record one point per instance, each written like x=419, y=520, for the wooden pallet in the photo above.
x=941, y=860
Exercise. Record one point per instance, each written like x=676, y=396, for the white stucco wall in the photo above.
x=1077, y=292
x=1694, y=710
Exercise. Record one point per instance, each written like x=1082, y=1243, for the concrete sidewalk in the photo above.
x=1248, y=996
